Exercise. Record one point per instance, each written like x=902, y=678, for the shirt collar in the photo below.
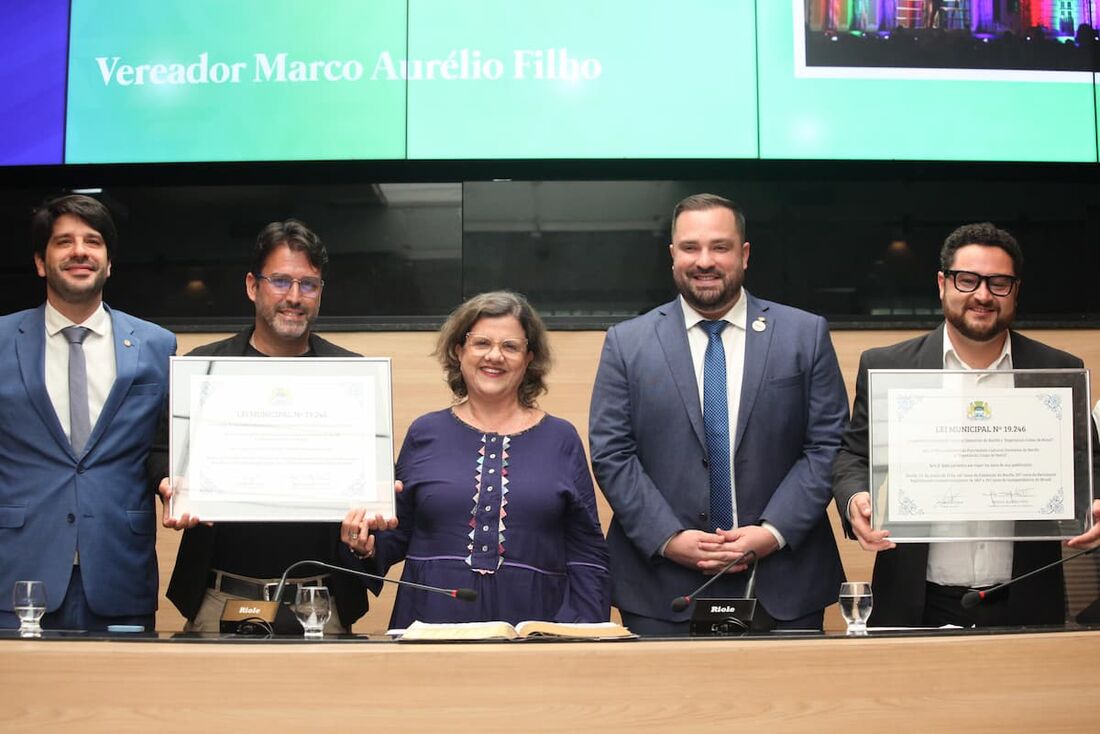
x=56, y=321
x=951, y=359
x=738, y=314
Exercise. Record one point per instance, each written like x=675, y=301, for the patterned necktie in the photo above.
x=80, y=425
x=716, y=422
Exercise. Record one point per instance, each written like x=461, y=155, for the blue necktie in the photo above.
x=80, y=425
x=716, y=422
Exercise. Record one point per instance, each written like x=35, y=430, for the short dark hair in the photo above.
x=702, y=202
x=987, y=235
x=92, y=211
x=495, y=303
x=295, y=235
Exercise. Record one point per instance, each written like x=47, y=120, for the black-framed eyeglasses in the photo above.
x=968, y=282
x=281, y=284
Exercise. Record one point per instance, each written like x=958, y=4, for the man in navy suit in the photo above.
x=81, y=388
x=708, y=446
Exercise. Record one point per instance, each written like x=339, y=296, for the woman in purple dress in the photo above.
x=497, y=493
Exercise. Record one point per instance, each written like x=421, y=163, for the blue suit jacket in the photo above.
x=51, y=499
x=650, y=457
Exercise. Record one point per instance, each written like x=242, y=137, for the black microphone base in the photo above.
x=258, y=619
x=722, y=617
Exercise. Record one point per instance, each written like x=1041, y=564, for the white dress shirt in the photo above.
x=99, y=356
x=974, y=564
x=733, y=342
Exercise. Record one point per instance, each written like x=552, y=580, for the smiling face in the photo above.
x=494, y=373
x=75, y=264
x=979, y=316
x=709, y=259
x=283, y=321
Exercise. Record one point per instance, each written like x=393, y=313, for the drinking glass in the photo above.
x=313, y=607
x=28, y=599
x=855, y=605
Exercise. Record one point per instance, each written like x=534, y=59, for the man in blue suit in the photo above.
x=81, y=388
x=713, y=427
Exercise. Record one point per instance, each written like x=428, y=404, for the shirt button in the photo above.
x=488, y=508
x=493, y=439
x=492, y=456
x=484, y=548
x=492, y=471
x=489, y=490
x=70, y=518
x=485, y=528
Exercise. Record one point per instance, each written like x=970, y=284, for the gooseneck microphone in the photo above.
x=974, y=597
x=463, y=594
x=681, y=603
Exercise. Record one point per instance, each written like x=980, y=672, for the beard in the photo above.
x=957, y=317
x=290, y=328
x=76, y=291
x=712, y=299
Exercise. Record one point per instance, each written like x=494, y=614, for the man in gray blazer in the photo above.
x=713, y=427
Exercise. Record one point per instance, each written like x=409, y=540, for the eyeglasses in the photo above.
x=482, y=345
x=308, y=287
x=968, y=282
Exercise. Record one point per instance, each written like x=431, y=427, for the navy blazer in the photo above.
x=649, y=454
x=898, y=580
x=51, y=497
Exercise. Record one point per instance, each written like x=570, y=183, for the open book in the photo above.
x=419, y=631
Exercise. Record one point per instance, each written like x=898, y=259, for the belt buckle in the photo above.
x=269, y=588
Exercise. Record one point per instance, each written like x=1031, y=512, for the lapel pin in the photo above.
x=759, y=324
x=127, y=343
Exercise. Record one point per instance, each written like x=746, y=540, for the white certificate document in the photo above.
x=980, y=454
x=291, y=439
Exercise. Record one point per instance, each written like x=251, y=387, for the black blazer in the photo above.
x=898, y=580
x=189, y=577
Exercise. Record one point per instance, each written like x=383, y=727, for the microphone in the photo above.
x=974, y=597
x=258, y=617
x=463, y=594
x=681, y=603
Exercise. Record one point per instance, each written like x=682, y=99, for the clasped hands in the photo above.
x=710, y=552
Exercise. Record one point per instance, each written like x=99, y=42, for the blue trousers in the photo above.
x=74, y=613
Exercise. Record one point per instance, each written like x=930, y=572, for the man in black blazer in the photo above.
x=916, y=584
x=236, y=560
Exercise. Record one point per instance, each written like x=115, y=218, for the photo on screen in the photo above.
x=1012, y=40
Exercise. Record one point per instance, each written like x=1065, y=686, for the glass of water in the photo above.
x=313, y=607
x=855, y=605
x=28, y=599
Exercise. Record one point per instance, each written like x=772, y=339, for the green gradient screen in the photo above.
x=584, y=78
x=210, y=80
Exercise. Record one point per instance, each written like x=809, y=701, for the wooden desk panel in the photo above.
x=1037, y=682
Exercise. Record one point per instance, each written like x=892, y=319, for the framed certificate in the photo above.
x=302, y=439
x=980, y=454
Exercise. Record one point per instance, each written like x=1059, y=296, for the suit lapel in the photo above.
x=30, y=350
x=672, y=337
x=127, y=350
x=930, y=354
x=757, y=346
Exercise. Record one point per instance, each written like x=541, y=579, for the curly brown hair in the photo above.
x=491, y=305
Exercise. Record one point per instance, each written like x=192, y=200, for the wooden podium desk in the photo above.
x=1036, y=682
